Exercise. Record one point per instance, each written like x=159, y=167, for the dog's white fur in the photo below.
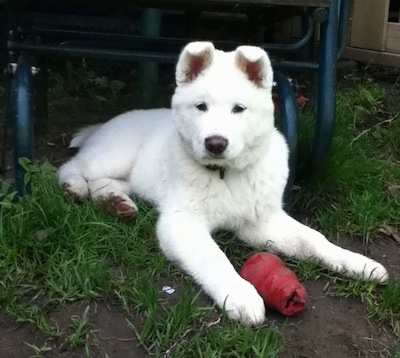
x=161, y=156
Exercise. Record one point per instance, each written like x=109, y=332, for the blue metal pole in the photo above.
x=326, y=88
x=288, y=112
x=21, y=118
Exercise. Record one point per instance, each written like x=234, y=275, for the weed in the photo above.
x=39, y=352
x=387, y=306
x=394, y=352
x=81, y=329
x=390, y=298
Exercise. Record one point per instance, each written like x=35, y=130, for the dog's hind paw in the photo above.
x=245, y=305
x=121, y=207
x=76, y=188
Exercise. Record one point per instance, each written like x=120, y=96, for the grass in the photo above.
x=53, y=252
x=357, y=192
x=39, y=352
x=81, y=329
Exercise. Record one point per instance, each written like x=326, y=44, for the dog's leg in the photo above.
x=71, y=181
x=283, y=234
x=188, y=242
x=113, y=196
x=99, y=173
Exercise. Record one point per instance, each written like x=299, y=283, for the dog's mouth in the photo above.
x=214, y=161
x=214, y=157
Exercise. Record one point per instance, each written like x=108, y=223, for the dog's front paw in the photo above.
x=244, y=304
x=374, y=271
x=359, y=266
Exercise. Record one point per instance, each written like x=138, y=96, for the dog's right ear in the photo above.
x=195, y=58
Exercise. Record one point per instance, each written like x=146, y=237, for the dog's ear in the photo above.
x=194, y=59
x=254, y=62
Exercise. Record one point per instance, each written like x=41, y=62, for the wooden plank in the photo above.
x=393, y=37
x=374, y=57
x=369, y=24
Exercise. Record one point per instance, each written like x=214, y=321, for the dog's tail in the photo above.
x=82, y=135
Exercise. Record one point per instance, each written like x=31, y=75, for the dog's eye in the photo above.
x=201, y=106
x=238, y=108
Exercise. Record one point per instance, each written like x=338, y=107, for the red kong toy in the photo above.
x=277, y=285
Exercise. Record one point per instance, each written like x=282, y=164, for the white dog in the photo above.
x=215, y=161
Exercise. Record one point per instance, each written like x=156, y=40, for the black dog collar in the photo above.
x=217, y=167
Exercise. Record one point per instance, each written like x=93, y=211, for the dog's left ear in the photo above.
x=194, y=59
x=254, y=62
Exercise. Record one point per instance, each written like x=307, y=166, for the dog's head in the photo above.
x=222, y=105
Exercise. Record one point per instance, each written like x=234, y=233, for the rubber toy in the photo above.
x=277, y=284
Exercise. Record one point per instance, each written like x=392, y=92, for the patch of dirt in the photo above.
x=334, y=327
x=337, y=327
x=108, y=332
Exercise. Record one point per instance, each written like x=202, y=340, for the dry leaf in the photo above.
x=394, y=190
x=390, y=231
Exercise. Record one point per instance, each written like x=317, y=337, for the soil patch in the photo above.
x=108, y=332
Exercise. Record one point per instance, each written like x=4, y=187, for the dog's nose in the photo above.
x=216, y=144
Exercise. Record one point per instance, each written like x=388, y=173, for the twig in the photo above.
x=374, y=126
x=118, y=339
x=182, y=337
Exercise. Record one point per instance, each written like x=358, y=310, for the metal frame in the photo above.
x=288, y=112
x=332, y=22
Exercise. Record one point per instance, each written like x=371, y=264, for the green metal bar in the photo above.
x=149, y=39
x=148, y=75
x=72, y=51
x=326, y=109
x=288, y=114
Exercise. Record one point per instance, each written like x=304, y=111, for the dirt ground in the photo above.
x=330, y=326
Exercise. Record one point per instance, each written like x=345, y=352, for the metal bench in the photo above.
x=31, y=38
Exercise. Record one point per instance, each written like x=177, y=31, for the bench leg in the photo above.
x=148, y=75
x=21, y=118
x=5, y=123
x=326, y=106
x=288, y=111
